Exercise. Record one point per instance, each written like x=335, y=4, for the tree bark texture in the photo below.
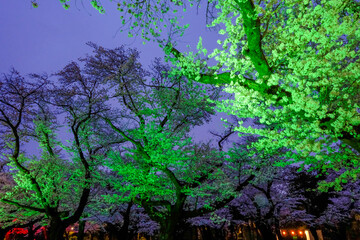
x=56, y=230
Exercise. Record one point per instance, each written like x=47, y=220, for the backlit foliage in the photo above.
x=306, y=87
x=292, y=63
x=295, y=65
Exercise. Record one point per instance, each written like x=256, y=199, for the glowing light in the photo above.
x=72, y=228
x=284, y=232
x=300, y=232
x=292, y=232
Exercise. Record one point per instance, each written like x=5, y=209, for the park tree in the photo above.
x=11, y=216
x=272, y=203
x=161, y=169
x=292, y=63
x=258, y=202
x=289, y=199
x=55, y=184
x=330, y=211
x=314, y=202
x=173, y=181
x=118, y=218
x=17, y=108
x=261, y=201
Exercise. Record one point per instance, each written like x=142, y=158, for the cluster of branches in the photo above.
x=291, y=64
x=128, y=146
x=151, y=119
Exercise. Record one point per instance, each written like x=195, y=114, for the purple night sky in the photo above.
x=45, y=39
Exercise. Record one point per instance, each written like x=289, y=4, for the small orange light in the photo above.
x=292, y=232
x=284, y=232
x=300, y=232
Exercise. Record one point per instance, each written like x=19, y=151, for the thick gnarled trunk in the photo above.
x=56, y=230
x=168, y=228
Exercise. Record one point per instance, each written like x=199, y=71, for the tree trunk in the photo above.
x=252, y=233
x=81, y=232
x=3, y=233
x=314, y=233
x=277, y=230
x=167, y=229
x=124, y=231
x=113, y=232
x=184, y=230
x=342, y=233
x=166, y=236
x=266, y=232
x=172, y=221
x=101, y=235
x=56, y=230
x=31, y=233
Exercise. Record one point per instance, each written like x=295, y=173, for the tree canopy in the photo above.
x=293, y=64
x=293, y=67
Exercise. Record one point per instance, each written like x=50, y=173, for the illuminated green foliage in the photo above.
x=303, y=82
x=98, y=7
x=154, y=171
x=64, y=4
x=54, y=185
x=168, y=172
x=153, y=17
x=57, y=180
x=292, y=63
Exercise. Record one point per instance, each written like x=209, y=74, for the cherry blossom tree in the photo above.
x=292, y=63
x=161, y=170
x=50, y=184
